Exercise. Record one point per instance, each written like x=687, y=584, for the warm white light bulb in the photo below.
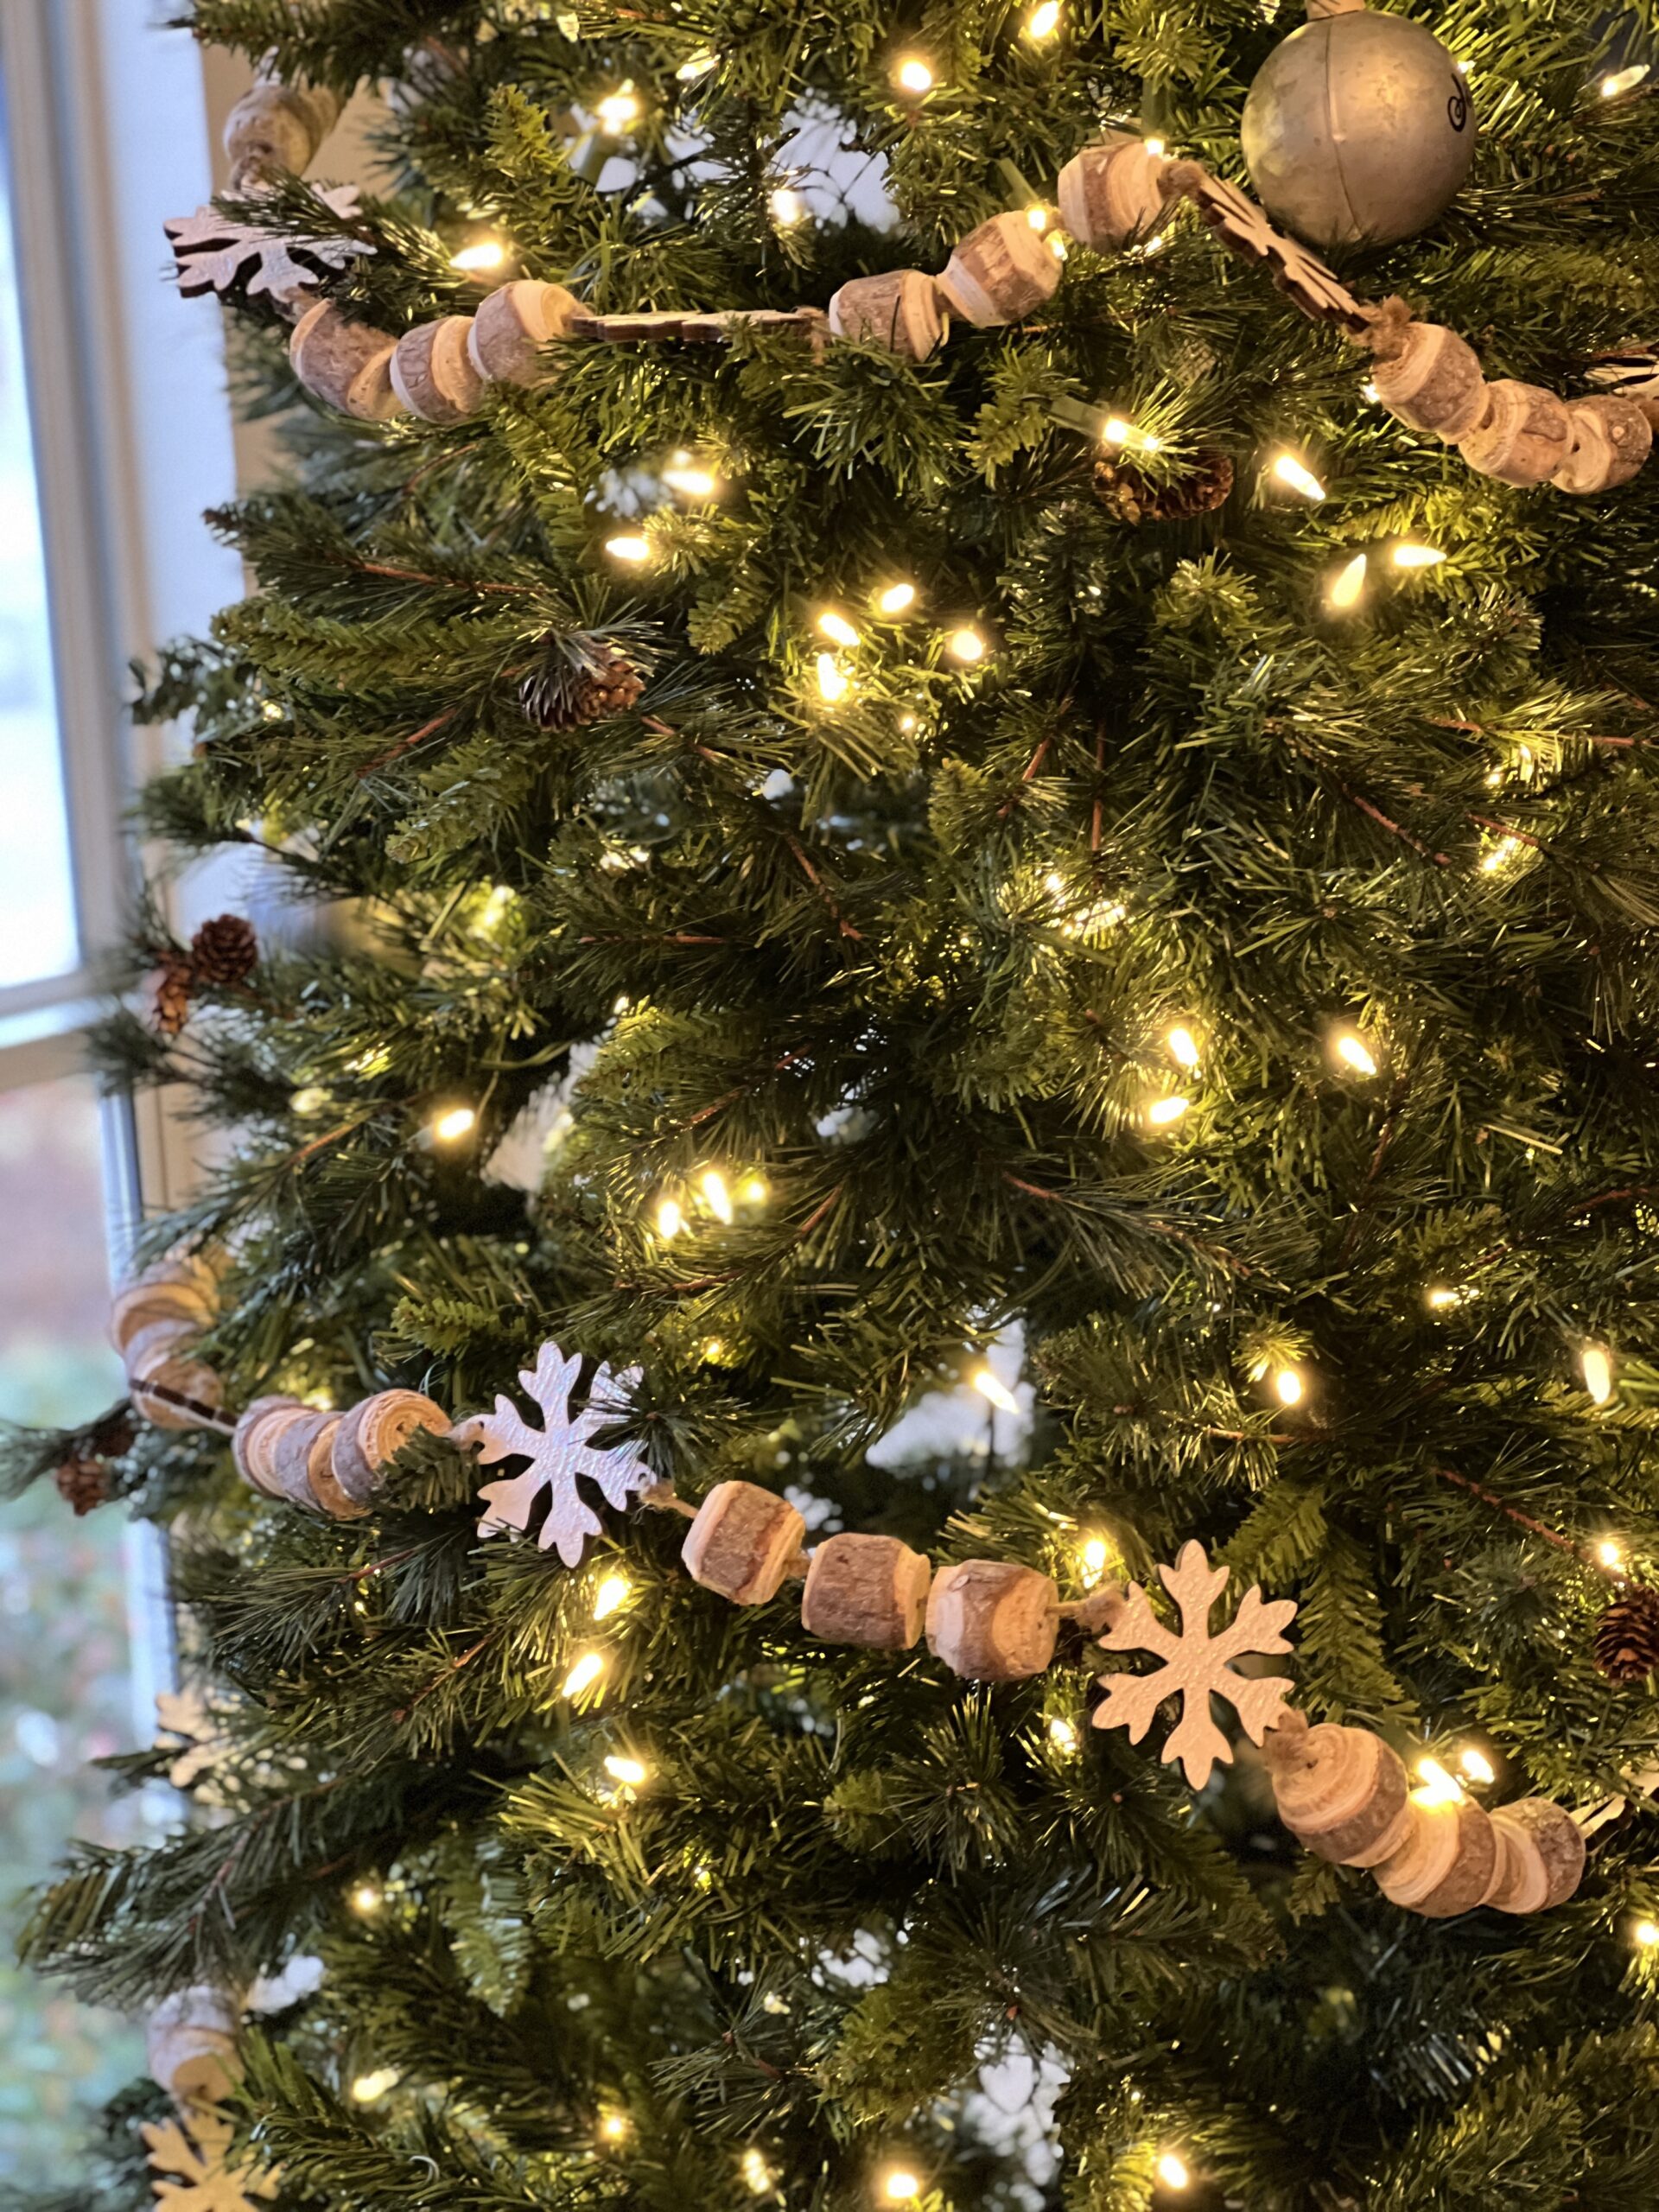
x=1044, y=22
x=899, y=2185
x=368, y=2086
x=1118, y=432
x=1289, y=1387
x=694, y=483
x=670, y=1218
x=1476, y=1765
x=479, y=258
x=1417, y=557
x=833, y=681
x=628, y=547
x=913, y=75
x=992, y=1387
x=1154, y=146
x=630, y=1771
x=787, y=207
x=1608, y=1552
x=1624, y=81
x=698, y=65
x=1290, y=471
x=1164, y=1111
x=612, y=1592
x=757, y=2174
x=582, y=1677
x=1037, y=216
x=712, y=1184
x=1349, y=586
x=1062, y=1734
x=1596, y=1365
x=1437, y=1786
x=453, y=1124
x=837, y=628
x=897, y=599
x=965, y=645
x=1645, y=1933
x=1094, y=1555
x=367, y=1897
x=614, y=2126
x=1354, y=1052
x=1442, y=1296
x=754, y=1191
x=618, y=110
x=1172, y=2171
x=1183, y=1046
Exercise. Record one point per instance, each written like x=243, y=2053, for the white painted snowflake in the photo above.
x=1195, y=1664
x=558, y=1452
x=211, y=251
x=191, y=2174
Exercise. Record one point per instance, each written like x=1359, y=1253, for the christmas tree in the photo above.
x=1096, y=865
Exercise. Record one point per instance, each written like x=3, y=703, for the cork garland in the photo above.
x=1341, y=1791
x=1113, y=198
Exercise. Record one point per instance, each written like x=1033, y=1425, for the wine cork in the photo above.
x=1445, y=1865
x=1108, y=196
x=1431, y=380
x=292, y=1444
x=511, y=327
x=156, y=1341
x=144, y=1302
x=275, y=128
x=866, y=1590
x=1612, y=440
x=992, y=1622
x=319, y=1473
x=743, y=1542
x=1523, y=437
x=432, y=371
x=899, y=310
x=345, y=364
x=190, y=2045
x=999, y=273
x=1539, y=1857
x=186, y=1378
x=372, y=1434
x=1342, y=1792
x=254, y=1441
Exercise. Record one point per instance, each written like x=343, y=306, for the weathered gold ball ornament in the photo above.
x=1358, y=127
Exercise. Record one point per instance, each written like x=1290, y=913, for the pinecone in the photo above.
x=1124, y=490
x=1627, y=1636
x=224, y=951
x=83, y=1483
x=558, y=696
x=170, y=994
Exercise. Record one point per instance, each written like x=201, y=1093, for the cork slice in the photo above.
x=320, y=1472
x=372, y=1434
x=255, y=1435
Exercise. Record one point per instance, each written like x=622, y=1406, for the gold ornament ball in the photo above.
x=1358, y=127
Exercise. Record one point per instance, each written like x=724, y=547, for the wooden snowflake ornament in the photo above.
x=211, y=252
x=558, y=1453
x=1195, y=1664
x=190, y=2169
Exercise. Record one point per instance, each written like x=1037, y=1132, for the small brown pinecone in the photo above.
x=566, y=698
x=224, y=951
x=1627, y=1636
x=1126, y=492
x=114, y=1437
x=170, y=993
x=83, y=1483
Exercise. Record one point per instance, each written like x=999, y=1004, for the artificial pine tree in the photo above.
x=1150, y=932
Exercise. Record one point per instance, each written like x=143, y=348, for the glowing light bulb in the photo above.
x=913, y=76
x=629, y=547
x=1062, y=1734
x=1037, y=216
x=367, y=1897
x=1289, y=1387
x=1183, y=1046
x=1172, y=2171
x=712, y=1184
x=697, y=65
x=1349, y=589
x=368, y=2086
x=1436, y=1786
x=630, y=1771
x=897, y=599
x=614, y=1591
x=1417, y=557
x=833, y=681
x=1118, y=432
x=907, y=723
x=787, y=207
x=1624, y=81
x=965, y=645
x=899, y=2185
x=1596, y=1365
x=694, y=483
x=1368, y=391
x=992, y=1387
x=670, y=1218
x=1044, y=22
x=1290, y=471
x=757, y=2174
x=618, y=110
x=837, y=628
x=1645, y=1933
x=1353, y=1051
x=1498, y=857
x=477, y=259
x=582, y=1677
x=450, y=1126
x=1442, y=1296
x=1164, y=1111
x=1608, y=1552
x=1154, y=146
x=1476, y=1765
x=614, y=2126
x=1095, y=1553
x=754, y=1191
x=311, y=1100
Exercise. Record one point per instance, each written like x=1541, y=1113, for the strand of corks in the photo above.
x=329, y=1462
x=1345, y=1794
x=156, y=1322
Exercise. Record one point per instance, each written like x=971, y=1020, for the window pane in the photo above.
x=38, y=936
x=64, y=1688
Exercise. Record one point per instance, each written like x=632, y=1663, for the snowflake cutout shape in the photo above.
x=1317, y=290
x=211, y=251
x=201, y=2181
x=1195, y=1664
x=558, y=1452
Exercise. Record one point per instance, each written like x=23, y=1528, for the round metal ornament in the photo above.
x=1358, y=127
